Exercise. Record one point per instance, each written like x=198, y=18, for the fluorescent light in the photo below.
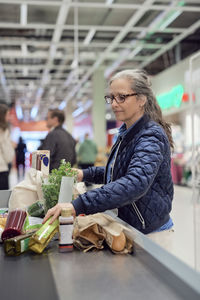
x=89, y=37
x=24, y=49
x=77, y=112
x=19, y=112
x=23, y=14
x=170, y=19
x=34, y=111
x=25, y=72
x=52, y=51
x=109, y=2
x=62, y=105
x=74, y=64
x=135, y=52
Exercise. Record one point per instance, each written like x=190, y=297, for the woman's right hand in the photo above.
x=79, y=174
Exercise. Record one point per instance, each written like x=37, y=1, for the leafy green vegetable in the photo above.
x=52, y=188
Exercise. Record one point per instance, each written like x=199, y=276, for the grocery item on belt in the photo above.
x=32, y=223
x=43, y=236
x=36, y=209
x=14, y=223
x=3, y=218
x=18, y=244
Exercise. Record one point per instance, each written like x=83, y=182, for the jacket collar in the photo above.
x=135, y=128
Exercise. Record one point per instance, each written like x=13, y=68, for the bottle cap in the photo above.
x=66, y=212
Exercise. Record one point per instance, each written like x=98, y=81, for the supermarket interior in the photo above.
x=62, y=55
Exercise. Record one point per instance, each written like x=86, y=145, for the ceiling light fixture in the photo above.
x=89, y=36
x=170, y=19
x=23, y=14
x=109, y=2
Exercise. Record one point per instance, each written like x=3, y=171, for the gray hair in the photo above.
x=141, y=84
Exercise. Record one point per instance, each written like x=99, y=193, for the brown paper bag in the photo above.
x=91, y=231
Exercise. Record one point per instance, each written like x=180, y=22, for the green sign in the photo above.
x=172, y=98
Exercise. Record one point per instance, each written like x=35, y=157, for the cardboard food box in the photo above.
x=41, y=160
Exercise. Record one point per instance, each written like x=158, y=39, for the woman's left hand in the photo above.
x=55, y=211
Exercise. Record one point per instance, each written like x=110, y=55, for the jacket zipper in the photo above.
x=115, y=160
x=140, y=217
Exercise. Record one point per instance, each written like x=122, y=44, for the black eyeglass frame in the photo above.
x=109, y=100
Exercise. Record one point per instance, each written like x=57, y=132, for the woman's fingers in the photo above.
x=55, y=211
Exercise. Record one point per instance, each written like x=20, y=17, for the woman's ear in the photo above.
x=143, y=100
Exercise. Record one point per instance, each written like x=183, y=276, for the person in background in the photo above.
x=20, y=151
x=6, y=148
x=60, y=142
x=87, y=153
x=137, y=178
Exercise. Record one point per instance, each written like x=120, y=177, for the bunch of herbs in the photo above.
x=52, y=188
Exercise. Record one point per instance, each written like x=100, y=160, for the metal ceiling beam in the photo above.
x=171, y=44
x=68, y=45
x=101, y=5
x=82, y=27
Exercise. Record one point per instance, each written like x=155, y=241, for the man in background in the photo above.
x=60, y=142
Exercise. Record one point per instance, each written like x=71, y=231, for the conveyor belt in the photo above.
x=93, y=275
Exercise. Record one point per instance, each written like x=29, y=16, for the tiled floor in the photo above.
x=184, y=241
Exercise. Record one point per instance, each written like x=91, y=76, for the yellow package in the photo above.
x=43, y=236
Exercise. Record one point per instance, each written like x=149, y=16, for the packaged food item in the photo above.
x=18, y=244
x=3, y=218
x=36, y=209
x=66, y=221
x=1, y=231
x=14, y=223
x=40, y=161
x=43, y=236
x=32, y=223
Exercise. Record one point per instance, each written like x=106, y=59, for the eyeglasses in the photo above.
x=118, y=98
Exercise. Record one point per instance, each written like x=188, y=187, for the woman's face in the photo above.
x=132, y=108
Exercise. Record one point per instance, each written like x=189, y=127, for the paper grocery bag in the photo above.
x=27, y=191
x=93, y=230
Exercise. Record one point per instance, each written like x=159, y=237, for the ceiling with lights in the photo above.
x=49, y=49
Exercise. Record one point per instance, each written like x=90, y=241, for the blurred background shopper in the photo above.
x=20, y=151
x=60, y=142
x=137, y=178
x=87, y=153
x=6, y=148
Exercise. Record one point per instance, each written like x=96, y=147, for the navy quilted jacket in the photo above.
x=141, y=186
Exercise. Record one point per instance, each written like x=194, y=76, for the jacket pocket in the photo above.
x=139, y=215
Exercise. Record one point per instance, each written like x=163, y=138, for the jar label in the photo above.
x=66, y=231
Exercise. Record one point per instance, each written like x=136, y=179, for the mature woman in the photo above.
x=137, y=179
x=6, y=148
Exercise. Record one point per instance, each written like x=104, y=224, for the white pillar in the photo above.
x=69, y=120
x=99, y=108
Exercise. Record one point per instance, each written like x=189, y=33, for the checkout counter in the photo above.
x=150, y=273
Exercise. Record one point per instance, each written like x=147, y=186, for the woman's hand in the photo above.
x=56, y=211
x=79, y=174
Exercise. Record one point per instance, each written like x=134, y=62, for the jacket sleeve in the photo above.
x=49, y=143
x=142, y=169
x=94, y=174
x=7, y=148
